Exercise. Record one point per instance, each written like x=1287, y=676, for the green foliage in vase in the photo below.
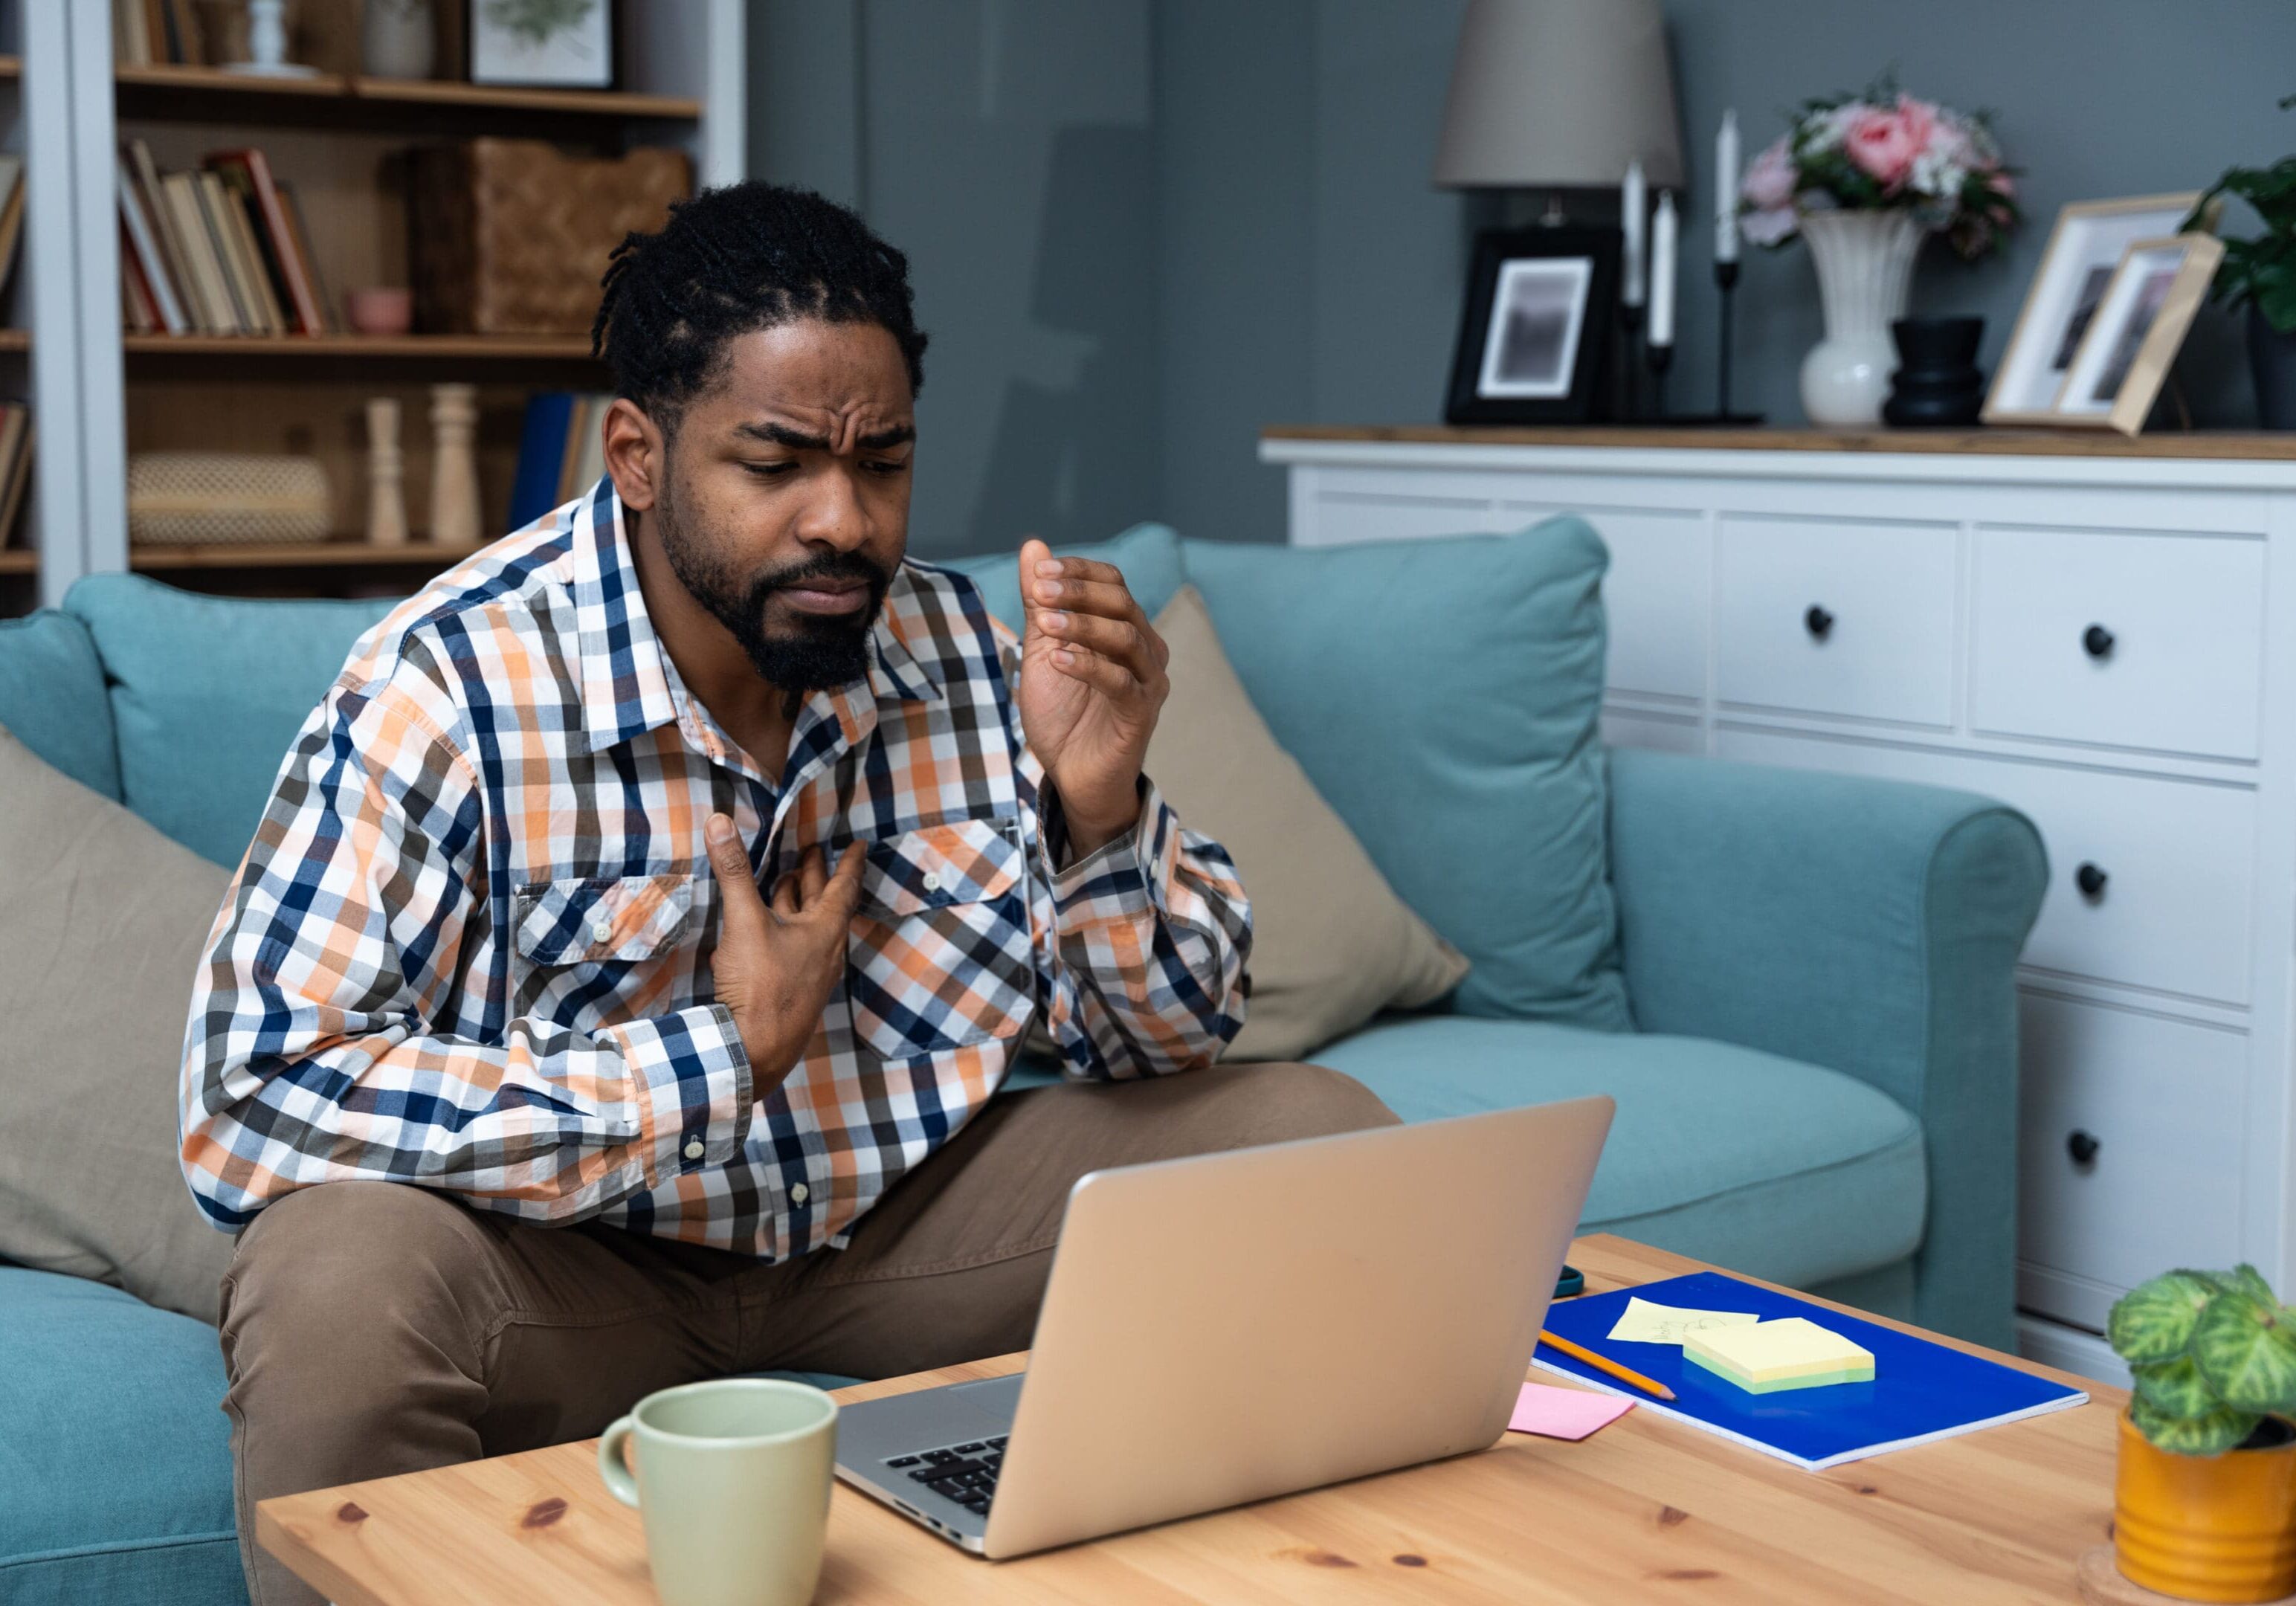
x=2261, y=270
x=2213, y=1355
x=536, y=21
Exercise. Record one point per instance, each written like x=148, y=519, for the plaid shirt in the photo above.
x=469, y=947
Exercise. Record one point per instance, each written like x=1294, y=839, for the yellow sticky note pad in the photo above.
x=1770, y=1357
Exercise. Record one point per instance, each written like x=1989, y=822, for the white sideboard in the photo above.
x=2100, y=633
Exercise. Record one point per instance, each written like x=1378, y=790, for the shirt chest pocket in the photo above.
x=939, y=954
x=595, y=950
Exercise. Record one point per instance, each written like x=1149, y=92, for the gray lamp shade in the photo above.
x=1560, y=93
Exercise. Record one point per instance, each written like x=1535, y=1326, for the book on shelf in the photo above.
x=11, y=214
x=156, y=33
x=218, y=249
x=560, y=452
x=16, y=465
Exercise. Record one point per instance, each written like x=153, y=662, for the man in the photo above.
x=615, y=991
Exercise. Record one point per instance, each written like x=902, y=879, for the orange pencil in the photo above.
x=1625, y=1375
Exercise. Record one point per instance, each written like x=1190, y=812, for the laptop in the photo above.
x=1229, y=1327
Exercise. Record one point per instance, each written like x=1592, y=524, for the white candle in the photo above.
x=1633, y=209
x=1661, y=285
x=1725, y=189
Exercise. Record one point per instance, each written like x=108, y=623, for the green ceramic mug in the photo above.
x=734, y=1479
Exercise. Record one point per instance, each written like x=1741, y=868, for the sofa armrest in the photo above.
x=1868, y=926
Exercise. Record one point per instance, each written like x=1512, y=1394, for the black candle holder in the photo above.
x=1659, y=359
x=1630, y=341
x=1726, y=283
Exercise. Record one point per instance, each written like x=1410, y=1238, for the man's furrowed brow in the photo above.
x=797, y=441
x=781, y=435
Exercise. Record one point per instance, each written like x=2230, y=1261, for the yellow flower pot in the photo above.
x=2205, y=1527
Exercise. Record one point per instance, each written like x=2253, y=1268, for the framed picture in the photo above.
x=2139, y=323
x=563, y=44
x=2084, y=250
x=1536, y=326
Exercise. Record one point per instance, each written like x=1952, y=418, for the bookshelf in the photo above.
x=340, y=139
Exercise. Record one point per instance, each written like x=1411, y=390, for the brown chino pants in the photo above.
x=376, y=1328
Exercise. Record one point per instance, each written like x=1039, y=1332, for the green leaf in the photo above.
x=2175, y=1387
x=2245, y=1279
x=2210, y=1435
x=2245, y=1346
x=2154, y=1321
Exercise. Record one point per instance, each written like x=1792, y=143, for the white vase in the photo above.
x=1865, y=268
x=397, y=39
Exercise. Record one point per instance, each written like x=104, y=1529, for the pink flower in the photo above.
x=1769, y=225
x=1885, y=142
x=1769, y=181
x=2002, y=185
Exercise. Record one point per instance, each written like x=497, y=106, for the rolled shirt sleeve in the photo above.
x=308, y=1057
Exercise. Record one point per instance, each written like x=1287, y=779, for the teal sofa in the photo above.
x=1797, y=987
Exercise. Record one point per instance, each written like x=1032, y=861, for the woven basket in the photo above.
x=225, y=498
x=511, y=236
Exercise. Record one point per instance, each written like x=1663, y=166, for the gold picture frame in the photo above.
x=2139, y=326
x=2084, y=250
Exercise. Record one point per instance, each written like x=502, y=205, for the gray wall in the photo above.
x=1005, y=146
x=1143, y=229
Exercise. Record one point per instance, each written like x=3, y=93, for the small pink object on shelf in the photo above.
x=380, y=309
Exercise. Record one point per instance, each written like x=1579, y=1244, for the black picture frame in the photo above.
x=1560, y=371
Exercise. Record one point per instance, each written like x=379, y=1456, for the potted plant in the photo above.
x=2260, y=274
x=2204, y=1497
x=1865, y=179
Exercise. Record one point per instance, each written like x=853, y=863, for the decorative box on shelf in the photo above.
x=2082, y=626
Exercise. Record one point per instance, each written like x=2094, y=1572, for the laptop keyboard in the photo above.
x=965, y=1473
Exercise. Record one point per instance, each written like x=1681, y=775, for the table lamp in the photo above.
x=1560, y=95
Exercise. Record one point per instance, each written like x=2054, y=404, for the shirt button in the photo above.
x=798, y=1191
x=601, y=929
x=933, y=880
x=694, y=1149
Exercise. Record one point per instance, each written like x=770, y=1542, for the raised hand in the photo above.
x=1091, y=683
x=775, y=966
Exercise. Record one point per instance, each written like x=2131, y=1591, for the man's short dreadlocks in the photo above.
x=746, y=256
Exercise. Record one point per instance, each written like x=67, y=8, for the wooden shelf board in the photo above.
x=2227, y=445
x=15, y=340
x=318, y=554
x=11, y=67
x=586, y=102
x=20, y=562
x=215, y=81
x=179, y=93
x=572, y=347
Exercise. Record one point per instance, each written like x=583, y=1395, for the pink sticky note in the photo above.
x=1564, y=1412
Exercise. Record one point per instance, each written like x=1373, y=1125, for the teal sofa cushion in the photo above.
x=1443, y=696
x=115, y=1455
x=1765, y=1165
x=51, y=698
x=207, y=695
x=1149, y=554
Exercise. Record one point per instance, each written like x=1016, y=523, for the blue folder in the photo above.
x=1921, y=1390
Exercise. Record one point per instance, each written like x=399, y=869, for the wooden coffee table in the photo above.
x=1644, y=1508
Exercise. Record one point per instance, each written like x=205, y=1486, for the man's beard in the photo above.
x=819, y=650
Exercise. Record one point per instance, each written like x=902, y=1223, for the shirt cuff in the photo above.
x=1124, y=875
x=691, y=1085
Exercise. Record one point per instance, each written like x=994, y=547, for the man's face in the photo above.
x=784, y=503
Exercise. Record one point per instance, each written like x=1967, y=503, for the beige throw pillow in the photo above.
x=1332, y=943
x=102, y=921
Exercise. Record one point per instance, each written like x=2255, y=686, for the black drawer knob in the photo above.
x=2081, y=1146
x=2096, y=641
x=2090, y=880
x=1818, y=622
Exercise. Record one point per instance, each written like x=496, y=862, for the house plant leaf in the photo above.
x=2211, y=1435
x=2154, y=1321
x=2245, y=1348
x=2175, y=1387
